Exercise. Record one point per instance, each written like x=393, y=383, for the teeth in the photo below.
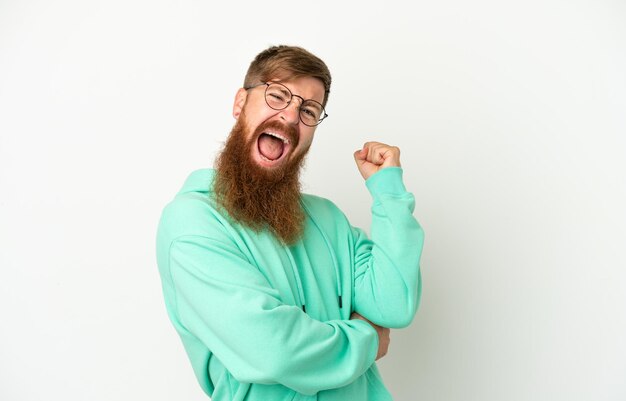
x=275, y=135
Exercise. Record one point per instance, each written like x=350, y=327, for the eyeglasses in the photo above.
x=279, y=97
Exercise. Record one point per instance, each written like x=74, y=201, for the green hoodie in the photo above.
x=262, y=321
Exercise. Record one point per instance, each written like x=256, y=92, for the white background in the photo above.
x=511, y=120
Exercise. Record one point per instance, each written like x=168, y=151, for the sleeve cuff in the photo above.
x=373, y=352
x=386, y=181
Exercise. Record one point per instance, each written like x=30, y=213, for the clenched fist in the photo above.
x=375, y=156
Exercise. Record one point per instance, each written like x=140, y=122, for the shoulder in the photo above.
x=323, y=211
x=317, y=204
x=191, y=213
x=187, y=209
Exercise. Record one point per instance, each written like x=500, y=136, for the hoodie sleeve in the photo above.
x=225, y=302
x=387, y=272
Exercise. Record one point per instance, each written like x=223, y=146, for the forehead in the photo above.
x=307, y=87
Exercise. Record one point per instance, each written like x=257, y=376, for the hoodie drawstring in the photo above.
x=294, y=269
x=332, y=255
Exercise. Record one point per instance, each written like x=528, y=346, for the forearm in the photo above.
x=230, y=309
x=387, y=275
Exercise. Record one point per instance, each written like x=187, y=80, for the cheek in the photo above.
x=256, y=113
x=306, y=140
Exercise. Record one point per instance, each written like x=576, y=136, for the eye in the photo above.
x=311, y=110
x=276, y=96
x=310, y=113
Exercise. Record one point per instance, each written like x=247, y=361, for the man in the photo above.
x=274, y=294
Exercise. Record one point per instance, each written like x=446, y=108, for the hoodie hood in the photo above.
x=199, y=181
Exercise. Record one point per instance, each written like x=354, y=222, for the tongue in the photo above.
x=270, y=147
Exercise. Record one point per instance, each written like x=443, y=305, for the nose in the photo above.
x=291, y=113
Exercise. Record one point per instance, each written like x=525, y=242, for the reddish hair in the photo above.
x=287, y=62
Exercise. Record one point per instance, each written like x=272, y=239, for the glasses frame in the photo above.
x=289, y=102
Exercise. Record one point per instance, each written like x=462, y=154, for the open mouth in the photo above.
x=272, y=146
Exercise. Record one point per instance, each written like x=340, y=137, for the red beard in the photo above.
x=260, y=198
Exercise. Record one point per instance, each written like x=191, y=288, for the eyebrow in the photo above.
x=301, y=97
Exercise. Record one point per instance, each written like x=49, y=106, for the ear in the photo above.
x=240, y=101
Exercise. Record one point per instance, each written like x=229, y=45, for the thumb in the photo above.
x=360, y=154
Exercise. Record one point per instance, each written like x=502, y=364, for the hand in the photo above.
x=375, y=156
x=383, y=335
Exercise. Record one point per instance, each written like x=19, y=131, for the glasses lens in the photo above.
x=277, y=96
x=311, y=112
